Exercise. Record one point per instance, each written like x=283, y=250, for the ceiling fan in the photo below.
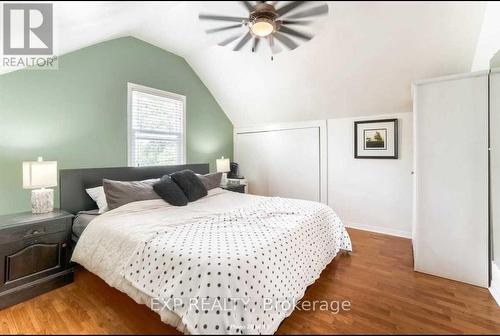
x=268, y=20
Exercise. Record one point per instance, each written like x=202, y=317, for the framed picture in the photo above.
x=376, y=139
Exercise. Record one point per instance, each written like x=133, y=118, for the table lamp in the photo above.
x=223, y=167
x=38, y=175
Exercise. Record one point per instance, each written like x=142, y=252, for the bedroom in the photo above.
x=247, y=167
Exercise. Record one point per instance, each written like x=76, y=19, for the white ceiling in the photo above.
x=361, y=61
x=488, y=43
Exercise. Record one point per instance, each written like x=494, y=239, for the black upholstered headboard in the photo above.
x=73, y=182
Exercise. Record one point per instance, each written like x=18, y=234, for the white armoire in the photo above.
x=451, y=194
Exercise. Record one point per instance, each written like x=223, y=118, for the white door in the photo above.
x=282, y=161
x=451, y=167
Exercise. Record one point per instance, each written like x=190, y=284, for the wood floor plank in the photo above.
x=377, y=278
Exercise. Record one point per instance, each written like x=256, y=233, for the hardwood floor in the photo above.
x=386, y=296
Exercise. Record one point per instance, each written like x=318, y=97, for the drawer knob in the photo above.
x=35, y=232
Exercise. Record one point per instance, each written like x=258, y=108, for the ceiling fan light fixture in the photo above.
x=269, y=20
x=262, y=27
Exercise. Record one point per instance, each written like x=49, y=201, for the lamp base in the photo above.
x=42, y=201
x=223, y=180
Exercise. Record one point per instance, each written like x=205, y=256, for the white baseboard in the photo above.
x=379, y=229
x=495, y=282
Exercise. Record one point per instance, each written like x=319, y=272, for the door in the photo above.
x=285, y=161
x=451, y=181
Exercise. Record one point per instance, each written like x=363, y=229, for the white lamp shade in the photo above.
x=39, y=174
x=222, y=165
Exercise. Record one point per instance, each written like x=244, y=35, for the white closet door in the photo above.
x=281, y=162
x=451, y=161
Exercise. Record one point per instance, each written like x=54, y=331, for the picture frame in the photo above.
x=376, y=139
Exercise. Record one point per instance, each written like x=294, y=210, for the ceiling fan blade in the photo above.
x=221, y=18
x=286, y=40
x=215, y=30
x=293, y=32
x=297, y=23
x=229, y=40
x=247, y=5
x=289, y=7
x=243, y=41
x=256, y=42
x=274, y=47
x=315, y=11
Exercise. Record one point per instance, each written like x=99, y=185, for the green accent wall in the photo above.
x=77, y=115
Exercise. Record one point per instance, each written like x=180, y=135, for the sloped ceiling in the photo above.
x=361, y=61
x=488, y=43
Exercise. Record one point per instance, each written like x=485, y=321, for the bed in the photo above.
x=227, y=263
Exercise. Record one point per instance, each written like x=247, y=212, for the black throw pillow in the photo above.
x=170, y=192
x=190, y=184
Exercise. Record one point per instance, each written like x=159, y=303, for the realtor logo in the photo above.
x=28, y=29
x=28, y=36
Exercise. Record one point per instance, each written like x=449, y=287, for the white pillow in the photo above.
x=98, y=195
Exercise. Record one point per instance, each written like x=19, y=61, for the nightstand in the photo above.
x=35, y=254
x=240, y=188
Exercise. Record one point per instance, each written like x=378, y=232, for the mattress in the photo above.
x=81, y=221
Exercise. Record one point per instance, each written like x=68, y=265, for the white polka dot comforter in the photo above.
x=214, y=270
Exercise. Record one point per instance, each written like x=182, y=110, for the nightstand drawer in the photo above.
x=35, y=230
x=239, y=188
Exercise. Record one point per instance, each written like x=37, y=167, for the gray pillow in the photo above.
x=190, y=184
x=119, y=193
x=211, y=181
x=171, y=193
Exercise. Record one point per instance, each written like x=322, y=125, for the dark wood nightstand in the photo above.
x=240, y=188
x=35, y=254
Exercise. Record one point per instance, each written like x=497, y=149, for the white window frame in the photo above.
x=130, y=132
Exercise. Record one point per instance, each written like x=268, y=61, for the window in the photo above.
x=156, y=127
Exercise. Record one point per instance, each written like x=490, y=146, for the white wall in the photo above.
x=489, y=38
x=371, y=194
